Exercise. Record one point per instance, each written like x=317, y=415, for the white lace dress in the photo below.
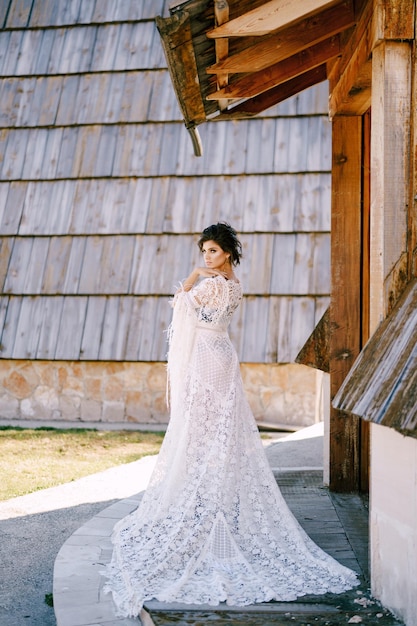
x=213, y=526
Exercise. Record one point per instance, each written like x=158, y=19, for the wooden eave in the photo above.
x=381, y=387
x=238, y=58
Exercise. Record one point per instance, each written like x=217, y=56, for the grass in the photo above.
x=33, y=459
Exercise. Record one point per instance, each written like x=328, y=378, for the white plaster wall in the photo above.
x=393, y=521
x=325, y=412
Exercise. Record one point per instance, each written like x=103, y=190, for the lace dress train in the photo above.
x=212, y=525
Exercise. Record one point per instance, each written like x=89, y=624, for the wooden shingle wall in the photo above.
x=101, y=198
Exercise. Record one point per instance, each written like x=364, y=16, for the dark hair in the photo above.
x=225, y=236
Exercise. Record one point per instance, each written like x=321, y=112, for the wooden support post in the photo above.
x=390, y=175
x=345, y=303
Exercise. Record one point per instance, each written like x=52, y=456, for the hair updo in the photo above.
x=225, y=237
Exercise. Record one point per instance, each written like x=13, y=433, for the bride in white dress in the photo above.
x=213, y=526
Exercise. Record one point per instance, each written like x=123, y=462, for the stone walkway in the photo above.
x=338, y=523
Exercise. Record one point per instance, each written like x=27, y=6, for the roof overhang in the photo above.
x=381, y=387
x=238, y=58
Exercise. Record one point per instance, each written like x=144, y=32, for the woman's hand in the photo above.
x=205, y=272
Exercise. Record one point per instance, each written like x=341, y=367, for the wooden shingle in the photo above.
x=102, y=200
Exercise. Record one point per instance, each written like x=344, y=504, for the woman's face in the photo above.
x=214, y=256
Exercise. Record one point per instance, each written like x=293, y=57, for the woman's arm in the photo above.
x=205, y=272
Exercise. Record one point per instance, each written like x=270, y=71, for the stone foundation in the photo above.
x=128, y=393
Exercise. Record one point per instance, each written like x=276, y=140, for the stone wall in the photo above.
x=128, y=393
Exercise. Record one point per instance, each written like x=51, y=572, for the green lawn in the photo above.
x=45, y=457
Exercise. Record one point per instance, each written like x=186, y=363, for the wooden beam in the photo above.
x=269, y=18
x=315, y=351
x=221, y=15
x=412, y=204
x=175, y=32
x=395, y=19
x=289, y=41
x=390, y=175
x=258, y=82
x=352, y=94
x=274, y=96
x=345, y=315
x=350, y=79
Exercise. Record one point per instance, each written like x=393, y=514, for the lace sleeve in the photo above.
x=210, y=292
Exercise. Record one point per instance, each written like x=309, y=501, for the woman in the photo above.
x=213, y=526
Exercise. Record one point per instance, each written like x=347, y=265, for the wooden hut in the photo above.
x=101, y=199
x=235, y=59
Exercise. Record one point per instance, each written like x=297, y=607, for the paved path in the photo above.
x=76, y=520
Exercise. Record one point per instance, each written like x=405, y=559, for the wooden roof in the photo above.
x=237, y=58
x=99, y=188
x=382, y=384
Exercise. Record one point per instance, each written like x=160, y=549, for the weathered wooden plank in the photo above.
x=163, y=103
x=316, y=351
x=105, y=47
x=120, y=264
x=81, y=49
x=18, y=266
x=282, y=267
x=136, y=205
x=289, y=203
x=4, y=303
x=30, y=43
x=35, y=152
x=123, y=328
x=269, y=18
x=390, y=178
x=75, y=265
x=116, y=264
x=6, y=246
x=345, y=318
x=116, y=322
x=256, y=83
x=36, y=266
x=302, y=323
x=296, y=145
x=90, y=155
x=71, y=328
x=47, y=100
x=77, y=50
x=381, y=385
x=52, y=151
x=256, y=326
x=89, y=280
x=49, y=331
x=70, y=107
x=43, y=54
x=260, y=249
x=29, y=326
x=394, y=20
x=67, y=150
x=62, y=12
x=20, y=110
x=10, y=44
x=11, y=320
x=56, y=266
x=134, y=332
x=46, y=12
x=176, y=38
x=106, y=149
x=289, y=41
x=14, y=155
x=90, y=344
x=123, y=93
x=13, y=207
x=4, y=9
x=8, y=113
